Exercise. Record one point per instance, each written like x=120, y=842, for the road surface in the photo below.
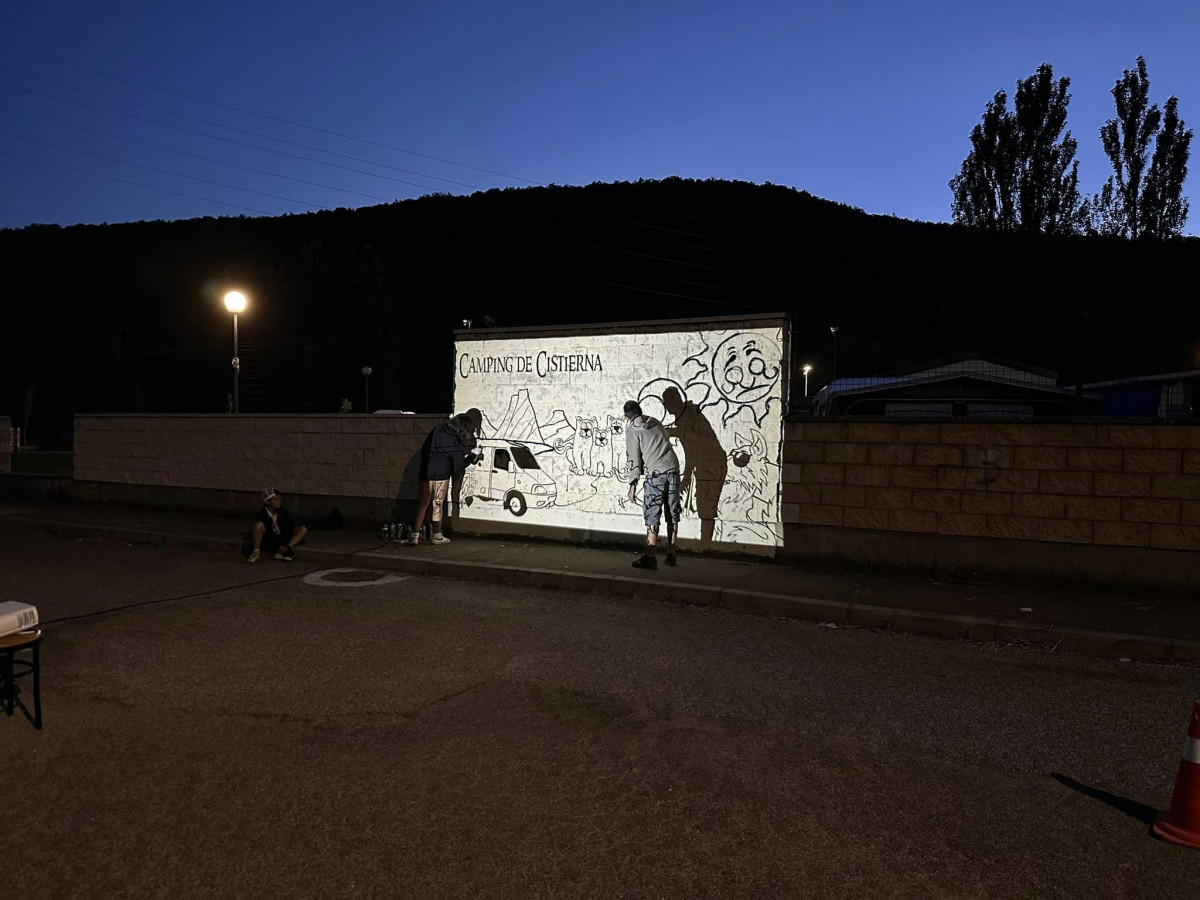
x=219, y=729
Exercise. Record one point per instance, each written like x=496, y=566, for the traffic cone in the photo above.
x=1181, y=823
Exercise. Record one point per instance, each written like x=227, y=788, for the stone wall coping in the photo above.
x=649, y=326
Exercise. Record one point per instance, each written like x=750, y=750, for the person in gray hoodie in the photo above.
x=651, y=456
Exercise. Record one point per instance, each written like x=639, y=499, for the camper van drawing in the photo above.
x=507, y=472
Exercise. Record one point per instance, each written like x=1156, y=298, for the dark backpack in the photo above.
x=331, y=522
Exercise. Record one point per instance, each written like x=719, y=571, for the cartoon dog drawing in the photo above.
x=618, y=461
x=601, y=452
x=579, y=453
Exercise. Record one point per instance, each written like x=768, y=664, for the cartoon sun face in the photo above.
x=745, y=368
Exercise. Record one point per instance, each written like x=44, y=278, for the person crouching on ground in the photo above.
x=443, y=456
x=274, y=529
x=650, y=454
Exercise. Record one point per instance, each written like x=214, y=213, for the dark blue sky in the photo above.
x=865, y=103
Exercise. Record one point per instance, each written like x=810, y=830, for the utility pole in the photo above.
x=833, y=329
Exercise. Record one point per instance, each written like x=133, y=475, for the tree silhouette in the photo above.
x=1144, y=196
x=1165, y=209
x=1021, y=173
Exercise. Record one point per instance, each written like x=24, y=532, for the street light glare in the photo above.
x=806, y=369
x=235, y=301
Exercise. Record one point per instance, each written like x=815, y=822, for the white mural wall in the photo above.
x=552, y=435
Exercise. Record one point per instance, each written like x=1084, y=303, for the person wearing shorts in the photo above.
x=443, y=456
x=274, y=530
x=652, y=457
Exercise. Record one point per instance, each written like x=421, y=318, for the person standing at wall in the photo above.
x=650, y=455
x=471, y=423
x=443, y=456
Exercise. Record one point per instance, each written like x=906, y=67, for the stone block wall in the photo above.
x=353, y=456
x=6, y=445
x=1099, y=483
x=1103, y=500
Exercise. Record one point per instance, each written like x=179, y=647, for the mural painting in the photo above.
x=551, y=446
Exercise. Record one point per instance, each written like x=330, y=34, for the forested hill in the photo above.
x=128, y=317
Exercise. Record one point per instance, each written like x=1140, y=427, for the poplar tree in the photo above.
x=1021, y=173
x=1144, y=196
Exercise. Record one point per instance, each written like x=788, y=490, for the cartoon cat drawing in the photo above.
x=579, y=453
x=601, y=452
x=618, y=461
x=747, y=503
x=746, y=496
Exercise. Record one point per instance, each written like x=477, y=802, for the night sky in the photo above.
x=864, y=103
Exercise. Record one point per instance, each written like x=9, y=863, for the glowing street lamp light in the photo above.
x=235, y=302
x=366, y=371
x=806, y=369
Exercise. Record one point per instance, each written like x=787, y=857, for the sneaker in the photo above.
x=439, y=538
x=412, y=540
x=285, y=554
x=670, y=559
x=255, y=556
x=645, y=562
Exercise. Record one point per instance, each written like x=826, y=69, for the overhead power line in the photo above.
x=654, y=257
x=125, y=162
x=215, y=137
x=502, y=255
x=759, y=249
x=222, y=162
x=725, y=240
x=42, y=162
x=274, y=118
x=881, y=252
x=234, y=128
x=375, y=175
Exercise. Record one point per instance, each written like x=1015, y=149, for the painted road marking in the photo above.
x=351, y=578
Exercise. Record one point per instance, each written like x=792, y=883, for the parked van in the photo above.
x=507, y=472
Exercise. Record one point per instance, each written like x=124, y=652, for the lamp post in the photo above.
x=833, y=329
x=366, y=370
x=235, y=302
x=806, y=369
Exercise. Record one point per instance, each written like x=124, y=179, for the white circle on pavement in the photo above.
x=322, y=579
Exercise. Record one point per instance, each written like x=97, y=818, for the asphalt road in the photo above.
x=258, y=735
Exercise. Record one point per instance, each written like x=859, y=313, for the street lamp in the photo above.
x=806, y=369
x=235, y=302
x=366, y=370
x=833, y=329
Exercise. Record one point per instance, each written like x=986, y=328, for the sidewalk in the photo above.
x=1109, y=623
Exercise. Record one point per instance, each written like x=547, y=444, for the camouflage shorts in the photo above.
x=662, y=492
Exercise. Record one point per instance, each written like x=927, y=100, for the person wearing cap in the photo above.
x=275, y=530
x=650, y=454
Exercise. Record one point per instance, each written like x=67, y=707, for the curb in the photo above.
x=838, y=612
